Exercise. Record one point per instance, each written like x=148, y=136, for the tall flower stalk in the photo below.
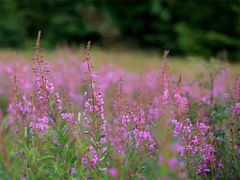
x=95, y=125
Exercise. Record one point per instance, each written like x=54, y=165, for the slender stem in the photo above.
x=212, y=89
x=5, y=155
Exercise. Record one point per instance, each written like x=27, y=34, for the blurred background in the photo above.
x=206, y=28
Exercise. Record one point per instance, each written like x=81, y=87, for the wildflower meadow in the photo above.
x=65, y=119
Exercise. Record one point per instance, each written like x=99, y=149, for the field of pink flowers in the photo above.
x=65, y=120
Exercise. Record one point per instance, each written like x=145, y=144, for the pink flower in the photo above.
x=160, y=159
x=68, y=117
x=84, y=159
x=113, y=172
x=172, y=163
x=73, y=171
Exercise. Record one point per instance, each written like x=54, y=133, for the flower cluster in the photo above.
x=19, y=110
x=41, y=124
x=94, y=119
x=195, y=140
x=236, y=109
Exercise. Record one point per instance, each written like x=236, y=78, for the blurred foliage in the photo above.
x=185, y=27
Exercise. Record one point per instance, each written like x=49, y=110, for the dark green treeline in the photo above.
x=200, y=27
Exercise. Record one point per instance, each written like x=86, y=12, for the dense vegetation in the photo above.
x=74, y=123
x=185, y=27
